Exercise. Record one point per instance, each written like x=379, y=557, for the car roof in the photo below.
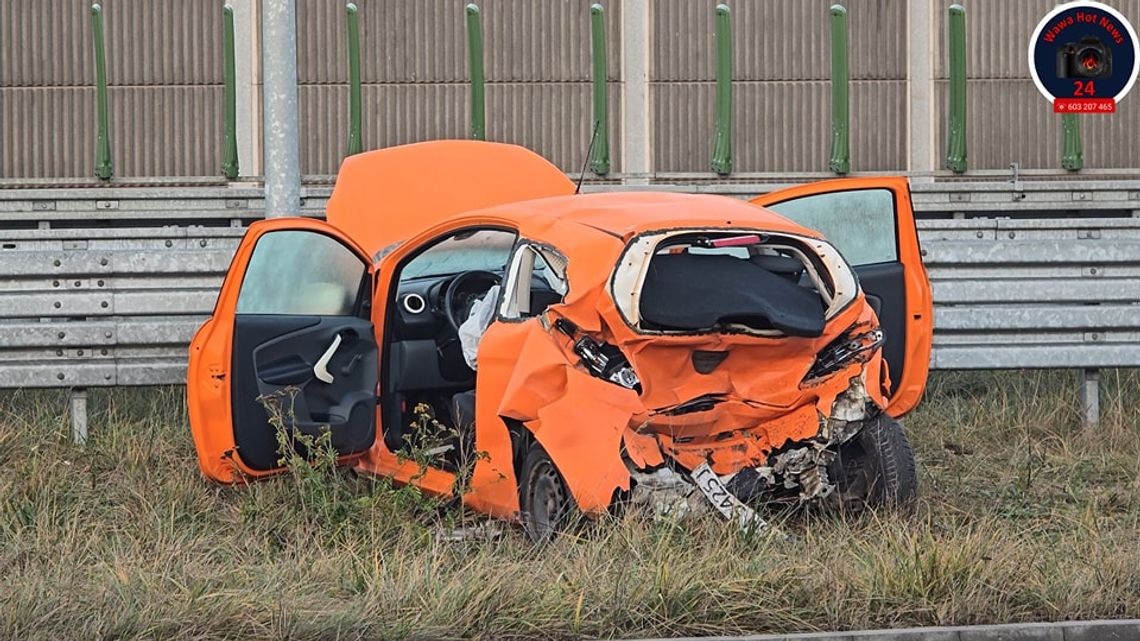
x=627, y=213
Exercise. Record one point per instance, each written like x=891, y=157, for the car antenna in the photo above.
x=589, y=150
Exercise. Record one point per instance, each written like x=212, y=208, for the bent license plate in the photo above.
x=728, y=505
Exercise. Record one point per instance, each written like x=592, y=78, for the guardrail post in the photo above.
x=1072, y=156
x=1089, y=382
x=79, y=415
x=956, y=138
x=104, y=168
x=840, y=160
x=230, y=167
x=722, y=141
x=600, y=158
x=355, y=142
x=475, y=61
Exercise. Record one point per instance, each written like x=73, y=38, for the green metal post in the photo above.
x=104, y=168
x=722, y=142
x=956, y=138
x=600, y=158
x=1072, y=156
x=229, y=144
x=475, y=60
x=840, y=160
x=355, y=141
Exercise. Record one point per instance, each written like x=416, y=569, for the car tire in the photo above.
x=548, y=508
x=876, y=469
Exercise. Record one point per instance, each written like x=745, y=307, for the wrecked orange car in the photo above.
x=676, y=351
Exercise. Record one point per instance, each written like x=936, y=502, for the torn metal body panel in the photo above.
x=686, y=351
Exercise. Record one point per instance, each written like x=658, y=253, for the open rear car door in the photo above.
x=871, y=222
x=292, y=328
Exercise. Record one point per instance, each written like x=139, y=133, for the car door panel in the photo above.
x=879, y=283
x=871, y=221
x=291, y=330
x=275, y=356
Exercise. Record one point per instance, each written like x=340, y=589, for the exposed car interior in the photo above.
x=704, y=282
x=428, y=400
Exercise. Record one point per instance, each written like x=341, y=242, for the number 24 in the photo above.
x=1084, y=88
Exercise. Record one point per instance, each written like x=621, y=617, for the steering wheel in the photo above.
x=451, y=307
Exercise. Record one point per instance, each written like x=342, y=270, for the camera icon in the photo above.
x=1085, y=58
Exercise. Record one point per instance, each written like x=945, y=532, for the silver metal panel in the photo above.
x=1005, y=318
x=1036, y=356
x=60, y=373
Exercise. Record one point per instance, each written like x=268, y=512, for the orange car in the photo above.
x=677, y=351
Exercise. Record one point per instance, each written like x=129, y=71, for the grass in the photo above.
x=1023, y=516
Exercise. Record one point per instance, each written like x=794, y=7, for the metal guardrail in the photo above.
x=103, y=287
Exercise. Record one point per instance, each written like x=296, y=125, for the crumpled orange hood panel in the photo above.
x=382, y=197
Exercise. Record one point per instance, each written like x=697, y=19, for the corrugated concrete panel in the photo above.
x=551, y=118
x=777, y=39
x=166, y=131
x=164, y=42
x=393, y=114
x=426, y=41
x=555, y=36
x=400, y=41
x=998, y=32
x=47, y=132
x=779, y=126
x=156, y=42
x=155, y=131
x=45, y=43
x=1009, y=121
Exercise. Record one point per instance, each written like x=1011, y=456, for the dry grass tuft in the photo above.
x=1023, y=516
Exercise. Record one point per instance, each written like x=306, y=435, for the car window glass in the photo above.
x=860, y=223
x=300, y=272
x=486, y=249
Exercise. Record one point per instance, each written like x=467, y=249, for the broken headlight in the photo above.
x=602, y=359
x=841, y=351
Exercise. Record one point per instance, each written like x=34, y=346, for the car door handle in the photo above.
x=321, y=369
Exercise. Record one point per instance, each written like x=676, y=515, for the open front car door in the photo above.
x=289, y=354
x=871, y=222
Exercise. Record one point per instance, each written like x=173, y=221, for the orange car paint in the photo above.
x=528, y=372
x=919, y=302
x=208, y=375
x=387, y=196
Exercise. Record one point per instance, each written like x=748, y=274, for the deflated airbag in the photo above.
x=700, y=291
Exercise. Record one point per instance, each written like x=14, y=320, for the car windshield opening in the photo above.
x=702, y=282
